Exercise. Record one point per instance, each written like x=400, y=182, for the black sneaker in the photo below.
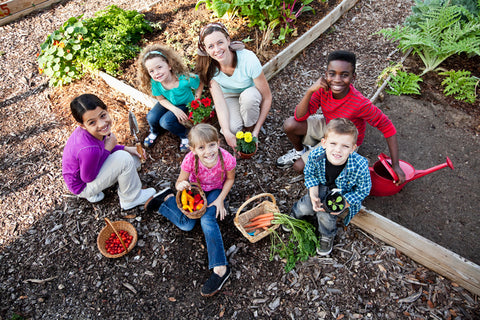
x=326, y=246
x=215, y=283
x=155, y=201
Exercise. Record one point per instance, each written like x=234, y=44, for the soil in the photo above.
x=51, y=268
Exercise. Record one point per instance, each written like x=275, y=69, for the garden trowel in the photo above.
x=132, y=121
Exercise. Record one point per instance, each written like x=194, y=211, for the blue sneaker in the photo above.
x=215, y=283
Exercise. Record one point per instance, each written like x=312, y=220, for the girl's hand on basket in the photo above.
x=221, y=211
x=183, y=185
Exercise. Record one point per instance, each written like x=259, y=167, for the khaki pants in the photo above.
x=315, y=132
x=243, y=108
x=120, y=167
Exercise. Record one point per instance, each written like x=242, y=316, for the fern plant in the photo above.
x=403, y=83
x=423, y=6
x=461, y=84
x=440, y=34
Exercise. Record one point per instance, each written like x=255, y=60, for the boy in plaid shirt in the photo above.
x=334, y=165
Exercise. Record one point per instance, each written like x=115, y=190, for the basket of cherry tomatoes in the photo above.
x=192, y=202
x=116, y=239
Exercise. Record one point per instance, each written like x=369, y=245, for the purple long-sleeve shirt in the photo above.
x=83, y=156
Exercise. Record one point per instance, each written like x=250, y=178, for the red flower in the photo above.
x=212, y=114
x=206, y=102
x=190, y=115
x=195, y=104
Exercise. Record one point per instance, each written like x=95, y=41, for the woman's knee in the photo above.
x=250, y=97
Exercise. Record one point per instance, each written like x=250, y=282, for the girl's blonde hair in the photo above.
x=204, y=133
x=172, y=58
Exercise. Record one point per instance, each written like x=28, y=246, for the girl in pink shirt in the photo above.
x=214, y=169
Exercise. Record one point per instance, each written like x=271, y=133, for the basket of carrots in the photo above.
x=193, y=202
x=116, y=239
x=256, y=223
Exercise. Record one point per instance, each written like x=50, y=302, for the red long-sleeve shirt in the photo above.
x=355, y=107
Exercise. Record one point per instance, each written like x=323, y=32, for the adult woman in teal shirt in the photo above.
x=236, y=80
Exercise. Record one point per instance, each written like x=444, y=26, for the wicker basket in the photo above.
x=195, y=187
x=114, y=227
x=241, y=219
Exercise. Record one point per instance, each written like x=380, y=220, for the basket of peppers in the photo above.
x=192, y=202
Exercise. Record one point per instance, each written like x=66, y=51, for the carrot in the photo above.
x=261, y=216
x=259, y=223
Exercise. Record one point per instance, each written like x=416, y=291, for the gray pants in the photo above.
x=327, y=223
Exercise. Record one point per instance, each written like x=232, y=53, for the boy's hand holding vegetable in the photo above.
x=316, y=202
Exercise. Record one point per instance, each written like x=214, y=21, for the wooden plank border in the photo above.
x=128, y=90
x=277, y=63
x=17, y=9
x=431, y=255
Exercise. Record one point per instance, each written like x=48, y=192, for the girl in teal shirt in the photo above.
x=163, y=75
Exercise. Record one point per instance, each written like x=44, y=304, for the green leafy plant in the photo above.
x=301, y=244
x=266, y=14
x=423, y=6
x=199, y=110
x=60, y=51
x=246, y=142
x=461, y=84
x=99, y=43
x=336, y=203
x=438, y=34
x=403, y=83
x=389, y=71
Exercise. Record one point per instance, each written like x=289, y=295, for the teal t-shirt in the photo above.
x=180, y=95
x=248, y=68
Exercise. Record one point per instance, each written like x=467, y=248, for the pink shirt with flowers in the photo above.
x=210, y=178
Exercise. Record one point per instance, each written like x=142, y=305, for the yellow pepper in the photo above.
x=187, y=201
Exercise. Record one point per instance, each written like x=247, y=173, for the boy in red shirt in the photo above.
x=337, y=98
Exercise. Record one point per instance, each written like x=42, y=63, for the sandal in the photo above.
x=148, y=142
x=184, y=147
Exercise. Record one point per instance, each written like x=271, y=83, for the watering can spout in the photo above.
x=421, y=173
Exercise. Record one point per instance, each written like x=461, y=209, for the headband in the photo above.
x=153, y=52
x=202, y=51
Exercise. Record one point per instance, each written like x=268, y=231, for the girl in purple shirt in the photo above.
x=93, y=161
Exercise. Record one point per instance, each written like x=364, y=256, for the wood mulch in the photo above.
x=50, y=267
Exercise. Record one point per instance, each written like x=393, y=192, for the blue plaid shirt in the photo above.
x=354, y=180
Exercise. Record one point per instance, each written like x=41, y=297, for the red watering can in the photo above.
x=383, y=175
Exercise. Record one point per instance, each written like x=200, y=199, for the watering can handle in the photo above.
x=384, y=160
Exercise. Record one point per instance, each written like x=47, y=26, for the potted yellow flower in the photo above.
x=246, y=144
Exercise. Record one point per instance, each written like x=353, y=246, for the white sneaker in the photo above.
x=144, y=195
x=288, y=159
x=96, y=198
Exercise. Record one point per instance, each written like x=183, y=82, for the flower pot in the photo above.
x=331, y=205
x=247, y=155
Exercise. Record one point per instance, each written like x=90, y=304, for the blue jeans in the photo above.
x=327, y=223
x=160, y=117
x=211, y=230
